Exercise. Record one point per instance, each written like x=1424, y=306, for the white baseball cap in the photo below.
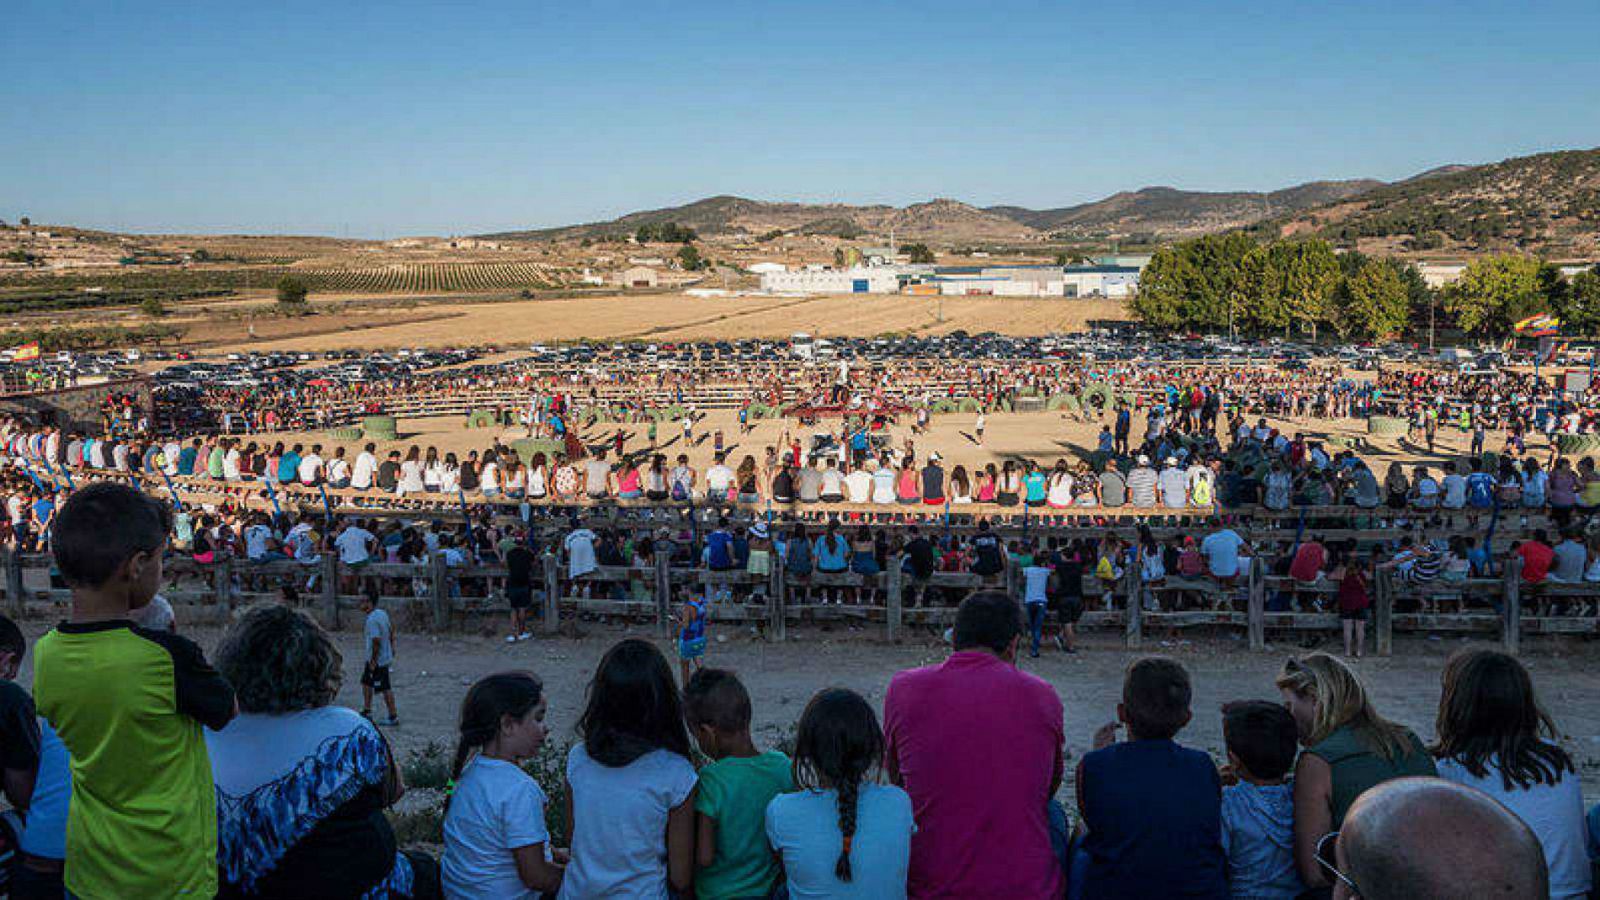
x=1144, y=460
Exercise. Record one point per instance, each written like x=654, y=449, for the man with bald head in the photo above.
x=1429, y=839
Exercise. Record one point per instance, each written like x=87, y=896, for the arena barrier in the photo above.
x=771, y=603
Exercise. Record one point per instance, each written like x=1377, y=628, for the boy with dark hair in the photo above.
x=1258, y=811
x=379, y=636
x=1152, y=809
x=730, y=808
x=129, y=704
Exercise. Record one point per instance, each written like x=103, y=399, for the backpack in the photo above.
x=1202, y=491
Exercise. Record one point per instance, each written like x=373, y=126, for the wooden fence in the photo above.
x=774, y=601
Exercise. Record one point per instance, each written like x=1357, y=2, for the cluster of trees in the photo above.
x=94, y=337
x=917, y=253
x=1496, y=291
x=1229, y=280
x=690, y=259
x=1224, y=280
x=664, y=233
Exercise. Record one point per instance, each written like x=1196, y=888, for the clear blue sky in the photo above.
x=381, y=119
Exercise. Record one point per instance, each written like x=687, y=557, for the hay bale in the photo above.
x=481, y=418
x=383, y=428
x=1578, y=444
x=968, y=404
x=1387, y=426
x=527, y=447
x=344, y=434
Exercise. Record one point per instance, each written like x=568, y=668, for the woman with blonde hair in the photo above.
x=1348, y=749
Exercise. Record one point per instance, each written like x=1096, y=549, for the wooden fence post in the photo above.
x=664, y=594
x=1133, y=620
x=223, y=576
x=14, y=593
x=1257, y=609
x=552, y=593
x=1384, y=611
x=439, y=577
x=1511, y=633
x=776, y=601
x=330, y=587
x=892, y=590
x=1010, y=573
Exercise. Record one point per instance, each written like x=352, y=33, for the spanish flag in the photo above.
x=26, y=352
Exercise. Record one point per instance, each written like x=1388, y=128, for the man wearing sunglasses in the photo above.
x=1429, y=839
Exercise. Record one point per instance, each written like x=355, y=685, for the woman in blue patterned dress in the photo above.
x=301, y=783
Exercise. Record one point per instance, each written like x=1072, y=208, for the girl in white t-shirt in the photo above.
x=631, y=784
x=495, y=841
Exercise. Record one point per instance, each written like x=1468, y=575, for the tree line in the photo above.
x=1231, y=281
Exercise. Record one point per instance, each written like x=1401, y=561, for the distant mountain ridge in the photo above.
x=1157, y=212
x=1546, y=203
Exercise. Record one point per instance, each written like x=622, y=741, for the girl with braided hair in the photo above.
x=842, y=835
x=495, y=840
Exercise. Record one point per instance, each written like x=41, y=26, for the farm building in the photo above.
x=1000, y=281
x=638, y=277
x=766, y=268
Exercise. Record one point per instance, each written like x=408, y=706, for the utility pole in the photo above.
x=1432, y=303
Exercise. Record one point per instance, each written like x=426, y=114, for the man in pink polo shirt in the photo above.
x=978, y=744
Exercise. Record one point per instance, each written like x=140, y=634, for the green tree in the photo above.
x=1580, y=309
x=1299, y=279
x=153, y=307
x=838, y=257
x=1494, y=292
x=200, y=254
x=689, y=258
x=25, y=221
x=292, y=291
x=1374, y=302
x=1201, y=283
x=919, y=253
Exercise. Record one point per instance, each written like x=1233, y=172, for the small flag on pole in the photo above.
x=26, y=352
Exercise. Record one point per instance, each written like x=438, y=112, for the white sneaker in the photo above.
x=525, y=636
x=511, y=639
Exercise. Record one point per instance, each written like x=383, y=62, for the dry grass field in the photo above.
x=677, y=317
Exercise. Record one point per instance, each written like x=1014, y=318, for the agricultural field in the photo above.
x=676, y=317
x=448, y=277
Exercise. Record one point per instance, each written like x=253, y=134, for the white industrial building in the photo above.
x=998, y=281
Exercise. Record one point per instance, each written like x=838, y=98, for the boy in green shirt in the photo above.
x=129, y=705
x=731, y=850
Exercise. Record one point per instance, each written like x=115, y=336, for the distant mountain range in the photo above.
x=1549, y=202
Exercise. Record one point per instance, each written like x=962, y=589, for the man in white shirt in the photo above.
x=230, y=462
x=1174, y=485
x=355, y=546
x=365, y=468
x=1454, y=488
x=311, y=465
x=1202, y=483
x=858, y=485
x=171, y=452
x=719, y=480
x=1142, y=482
x=832, y=489
x=580, y=552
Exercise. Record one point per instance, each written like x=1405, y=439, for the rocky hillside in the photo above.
x=1165, y=213
x=946, y=221
x=1547, y=204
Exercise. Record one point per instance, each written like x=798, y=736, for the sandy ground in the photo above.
x=432, y=673
x=681, y=317
x=1042, y=436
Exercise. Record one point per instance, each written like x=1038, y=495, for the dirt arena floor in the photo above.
x=679, y=317
x=1042, y=436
